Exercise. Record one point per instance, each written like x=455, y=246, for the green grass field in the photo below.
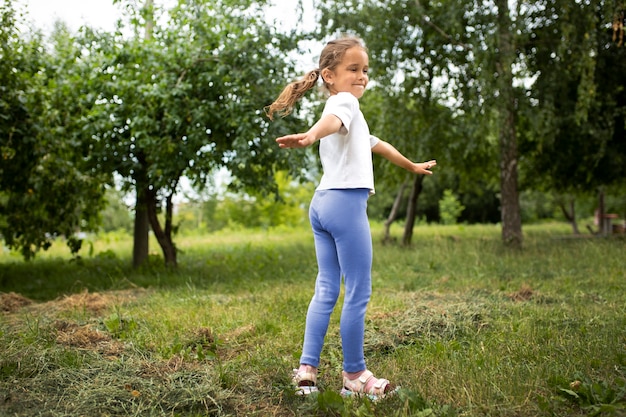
x=465, y=326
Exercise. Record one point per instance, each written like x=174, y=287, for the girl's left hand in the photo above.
x=425, y=167
x=297, y=140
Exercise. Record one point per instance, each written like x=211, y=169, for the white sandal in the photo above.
x=305, y=382
x=380, y=389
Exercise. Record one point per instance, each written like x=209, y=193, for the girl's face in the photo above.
x=350, y=75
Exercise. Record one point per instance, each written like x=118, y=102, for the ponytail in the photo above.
x=293, y=92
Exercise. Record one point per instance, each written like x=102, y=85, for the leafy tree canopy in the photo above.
x=46, y=186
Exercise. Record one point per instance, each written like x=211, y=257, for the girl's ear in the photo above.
x=327, y=76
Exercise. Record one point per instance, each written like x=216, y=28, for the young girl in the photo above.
x=338, y=211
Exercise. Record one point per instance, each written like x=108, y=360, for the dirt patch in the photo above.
x=12, y=302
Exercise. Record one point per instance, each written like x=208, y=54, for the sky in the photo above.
x=96, y=13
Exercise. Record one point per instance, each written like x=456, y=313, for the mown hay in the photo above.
x=12, y=302
x=86, y=337
x=92, y=304
x=525, y=293
x=95, y=303
x=430, y=317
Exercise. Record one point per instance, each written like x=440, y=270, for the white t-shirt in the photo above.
x=347, y=155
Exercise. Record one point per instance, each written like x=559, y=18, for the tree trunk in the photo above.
x=142, y=225
x=163, y=236
x=394, y=212
x=570, y=215
x=412, y=210
x=140, y=233
x=601, y=214
x=509, y=200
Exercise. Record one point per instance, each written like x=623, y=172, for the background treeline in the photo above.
x=234, y=211
x=522, y=103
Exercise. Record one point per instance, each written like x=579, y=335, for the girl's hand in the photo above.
x=297, y=140
x=424, y=167
x=325, y=126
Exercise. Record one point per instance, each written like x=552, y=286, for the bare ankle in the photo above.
x=353, y=375
x=307, y=369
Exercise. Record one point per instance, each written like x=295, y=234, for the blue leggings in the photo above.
x=343, y=245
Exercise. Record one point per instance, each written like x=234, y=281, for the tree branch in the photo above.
x=426, y=19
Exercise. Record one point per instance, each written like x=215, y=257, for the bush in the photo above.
x=450, y=208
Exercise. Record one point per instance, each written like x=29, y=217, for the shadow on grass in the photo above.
x=225, y=269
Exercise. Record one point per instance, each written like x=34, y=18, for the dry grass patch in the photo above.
x=428, y=316
x=525, y=293
x=87, y=337
x=12, y=302
x=94, y=304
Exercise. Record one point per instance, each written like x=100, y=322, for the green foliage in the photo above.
x=450, y=208
x=120, y=327
x=46, y=186
x=538, y=206
x=116, y=215
x=597, y=398
x=286, y=208
x=574, y=120
x=189, y=100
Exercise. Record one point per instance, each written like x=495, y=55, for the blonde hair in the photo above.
x=331, y=56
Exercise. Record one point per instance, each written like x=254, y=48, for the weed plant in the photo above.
x=464, y=325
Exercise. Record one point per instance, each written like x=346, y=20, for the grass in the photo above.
x=465, y=326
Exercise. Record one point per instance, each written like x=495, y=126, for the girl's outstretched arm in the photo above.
x=387, y=151
x=327, y=125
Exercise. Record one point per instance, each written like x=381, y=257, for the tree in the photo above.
x=576, y=144
x=189, y=101
x=47, y=189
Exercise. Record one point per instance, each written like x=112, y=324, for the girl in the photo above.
x=338, y=211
